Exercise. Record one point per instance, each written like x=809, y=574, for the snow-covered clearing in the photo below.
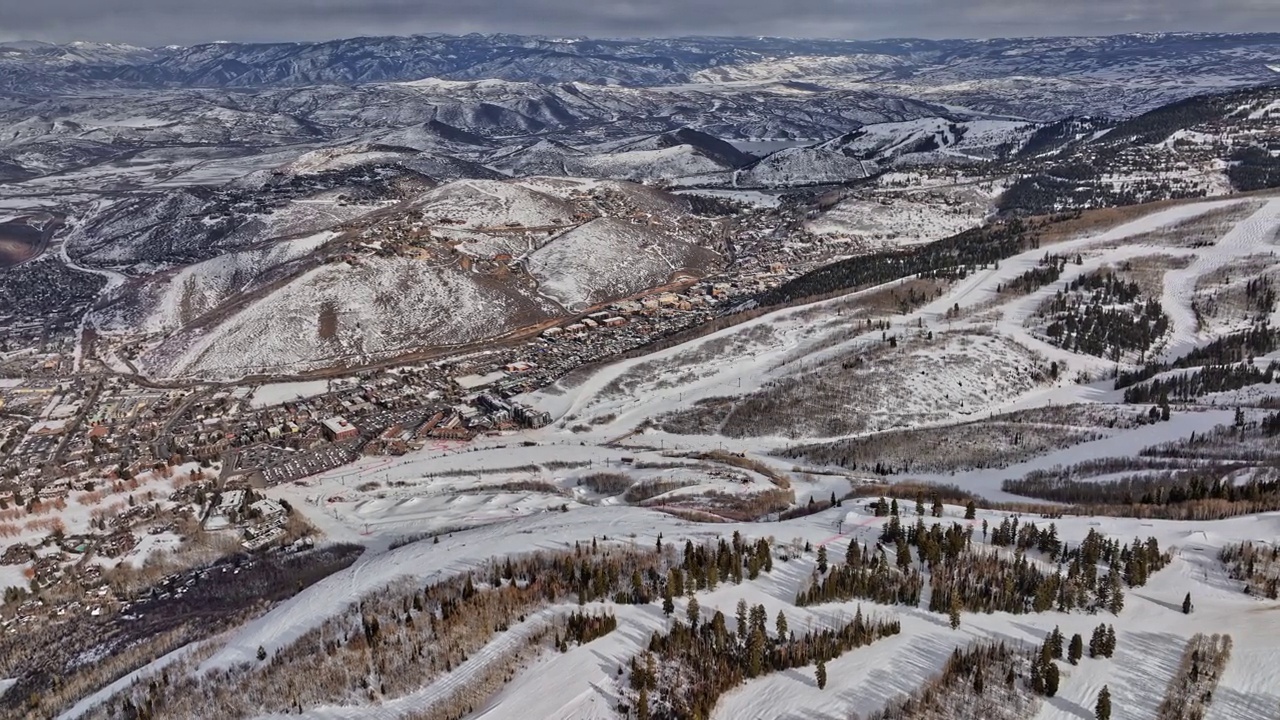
x=276, y=393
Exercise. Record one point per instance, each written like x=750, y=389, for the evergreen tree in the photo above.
x=755, y=652
x=1116, y=602
x=970, y=511
x=642, y=705
x=821, y=673
x=1098, y=642
x=1050, y=679
x=781, y=626
x=742, y=621
x=691, y=612
x=1076, y=651
x=920, y=503
x=262, y=653
x=822, y=559
x=1102, y=711
x=977, y=680
x=937, y=506
x=1186, y=604
x=955, y=611
x=1110, y=640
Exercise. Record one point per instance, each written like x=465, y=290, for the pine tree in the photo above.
x=262, y=653
x=1186, y=604
x=691, y=612
x=755, y=653
x=742, y=621
x=1076, y=651
x=893, y=508
x=978, y=681
x=970, y=510
x=1050, y=679
x=937, y=506
x=1056, y=641
x=1102, y=711
x=1116, y=603
x=1098, y=642
x=668, y=602
x=920, y=504
x=822, y=559
x=642, y=705
x=781, y=626
x=821, y=673
x=955, y=611
x=1110, y=641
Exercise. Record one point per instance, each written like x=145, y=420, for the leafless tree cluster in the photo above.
x=741, y=461
x=1191, y=690
x=924, y=377
x=987, y=681
x=648, y=489
x=981, y=444
x=1257, y=565
x=479, y=686
x=606, y=483
x=745, y=507
x=49, y=661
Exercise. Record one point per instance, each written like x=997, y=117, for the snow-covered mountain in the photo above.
x=1028, y=77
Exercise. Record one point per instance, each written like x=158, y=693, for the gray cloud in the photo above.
x=158, y=22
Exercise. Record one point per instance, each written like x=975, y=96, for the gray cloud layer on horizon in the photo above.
x=160, y=22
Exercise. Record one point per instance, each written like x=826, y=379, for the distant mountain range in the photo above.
x=1028, y=77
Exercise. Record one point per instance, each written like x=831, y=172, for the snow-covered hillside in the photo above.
x=608, y=258
x=345, y=314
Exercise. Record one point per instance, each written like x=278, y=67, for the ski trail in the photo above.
x=1249, y=237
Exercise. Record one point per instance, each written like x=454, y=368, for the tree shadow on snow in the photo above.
x=928, y=616
x=1176, y=607
x=1145, y=662
x=787, y=578
x=1239, y=706
x=1072, y=708
x=920, y=659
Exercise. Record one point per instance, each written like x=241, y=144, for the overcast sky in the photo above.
x=162, y=22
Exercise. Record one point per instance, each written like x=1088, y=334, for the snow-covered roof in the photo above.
x=337, y=424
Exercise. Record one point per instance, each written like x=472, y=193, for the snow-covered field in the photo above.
x=276, y=393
